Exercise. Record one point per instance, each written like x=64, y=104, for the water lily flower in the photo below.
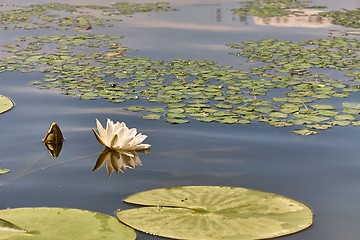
x=117, y=136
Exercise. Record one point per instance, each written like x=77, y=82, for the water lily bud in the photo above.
x=54, y=134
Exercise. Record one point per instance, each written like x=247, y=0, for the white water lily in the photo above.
x=117, y=136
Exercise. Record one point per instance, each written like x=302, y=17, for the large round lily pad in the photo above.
x=214, y=212
x=5, y=104
x=62, y=224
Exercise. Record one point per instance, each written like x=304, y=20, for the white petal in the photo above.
x=109, y=126
x=121, y=138
x=100, y=139
x=142, y=147
x=139, y=139
x=100, y=129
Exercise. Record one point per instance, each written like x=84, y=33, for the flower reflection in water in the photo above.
x=117, y=161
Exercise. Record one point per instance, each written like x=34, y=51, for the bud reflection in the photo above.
x=117, y=161
x=54, y=148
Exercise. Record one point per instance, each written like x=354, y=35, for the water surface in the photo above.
x=320, y=170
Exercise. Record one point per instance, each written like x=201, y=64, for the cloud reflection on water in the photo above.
x=307, y=19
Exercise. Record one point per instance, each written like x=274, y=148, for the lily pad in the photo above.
x=3, y=171
x=5, y=104
x=305, y=132
x=214, y=212
x=355, y=105
x=151, y=116
x=62, y=224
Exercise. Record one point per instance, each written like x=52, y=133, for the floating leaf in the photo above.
x=63, y=223
x=213, y=212
x=319, y=126
x=176, y=120
x=278, y=115
x=356, y=123
x=3, y=171
x=343, y=117
x=341, y=122
x=135, y=108
x=322, y=106
x=289, y=108
x=5, y=104
x=151, y=116
x=354, y=105
x=305, y=132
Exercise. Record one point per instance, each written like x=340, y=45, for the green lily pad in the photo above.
x=151, y=116
x=214, y=212
x=135, y=108
x=305, y=132
x=356, y=123
x=322, y=106
x=278, y=115
x=176, y=120
x=319, y=126
x=344, y=117
x=341, y=123
x=289, y=108
x=63, y=224
x=3, y=171
x=355, y=105
x=5, y=104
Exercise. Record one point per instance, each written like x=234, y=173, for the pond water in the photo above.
x=322, y=170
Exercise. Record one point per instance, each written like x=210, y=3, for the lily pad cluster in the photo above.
x=287, y=83
x=296, y=67
x=273, y=8
x=91, y=66
x=62, y=16
x=346, y=18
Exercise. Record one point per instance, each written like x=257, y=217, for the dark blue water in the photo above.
x=321, y=170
